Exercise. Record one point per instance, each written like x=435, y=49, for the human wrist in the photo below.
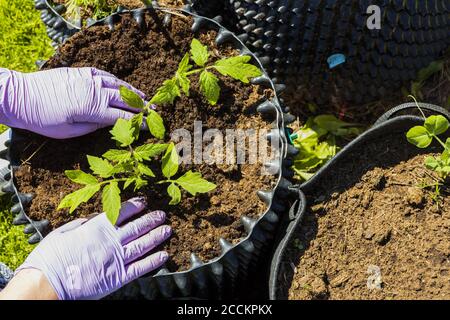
x=29, y=284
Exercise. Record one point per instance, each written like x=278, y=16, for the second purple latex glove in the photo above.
x=91, y=258
x=62, y=103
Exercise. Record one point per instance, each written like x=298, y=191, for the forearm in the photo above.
x=29, y=284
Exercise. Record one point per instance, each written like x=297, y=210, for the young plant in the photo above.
x=422, y=137
x=237, y=68
x=317, y=142
x=129, y=165
x=98, y=8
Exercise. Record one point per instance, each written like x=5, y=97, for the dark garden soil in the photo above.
x=370, y=214
x=145, y=58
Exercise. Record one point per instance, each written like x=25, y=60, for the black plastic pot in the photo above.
x=295, y=38
x=59, y=29
x=221, y=276
x=389, y=124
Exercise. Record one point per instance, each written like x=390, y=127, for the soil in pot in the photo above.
x=145, y=57
x=371, y=232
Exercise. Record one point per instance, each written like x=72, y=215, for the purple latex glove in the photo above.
x=91, y=258
x=62, y=103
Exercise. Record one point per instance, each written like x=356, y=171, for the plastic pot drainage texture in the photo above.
x=222, y=276
x=59, y=28
x=327, y=46
x=389, y=123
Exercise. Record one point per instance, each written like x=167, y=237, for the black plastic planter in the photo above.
x=295, y=39
x=221, y=276
x=59, y=29
x=388, y=124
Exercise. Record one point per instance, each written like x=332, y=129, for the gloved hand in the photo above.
x=89, y=259
x=62, y=103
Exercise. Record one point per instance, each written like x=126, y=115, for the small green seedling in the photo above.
x=236, y=67
x=317, y=143
x=422, y=137
x=129, y=165
x=98, y=8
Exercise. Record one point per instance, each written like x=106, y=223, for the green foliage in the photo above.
x=97, y=8
x=237, y=68
x=131, y=165
x=423, y=136
x=23, y=38
x=317, y=143
x=14, y=247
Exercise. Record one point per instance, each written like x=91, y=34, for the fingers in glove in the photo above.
x=138, y=227
x=71, y=225
x=143, y=245
x=141, y=267
x=115, y=83
x=130, y=208
x=110, y=116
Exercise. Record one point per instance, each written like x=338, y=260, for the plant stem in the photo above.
x=441, y=142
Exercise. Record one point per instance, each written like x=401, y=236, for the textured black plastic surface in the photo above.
x=296, y=37
x=389, y=123
x=222, y=276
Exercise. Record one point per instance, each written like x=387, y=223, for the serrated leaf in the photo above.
x=336, y=126
x=175, y=194
x=143, y=169
x=193, y=183
x=123, y=167
x=156, y=124
x=128, y=182
x=238, y=68
x=183, y=82
x=148, y=151
x=117, y=155
x=170, y=161
x=76, y=198
x=81, y=177
x=136, y=124
x=111, y=201
x=131, y=98
x=436, y=124
x=199, y=53
x=100, y=167
x=209, y=85
x=419, y=136
x=123, y=132
x=167, y=93
x=139, y=183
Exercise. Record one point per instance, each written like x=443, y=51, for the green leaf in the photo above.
x=131, y=98
x=123, y=132
x=100, y=167
x=175, y=193
x=156, y=124
x=447, y=144
x=436, y=125
x=419, y=136
x=432, y=163
x=117, y=155
x=139, y=183
x=76, y=198
x=238, y=68
x=143, y=169
x=123, y=167
x=170, y=161
x=167, y=93
x=111, y=201
x=335, y=126
x=199, y=53
x=193, y=183
x=183, y=82
x=148, y=151
x=81, y=177
x=136, y=124
x=209, y=85
x=128, y=182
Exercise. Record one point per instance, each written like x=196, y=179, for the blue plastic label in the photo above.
x=336, y=60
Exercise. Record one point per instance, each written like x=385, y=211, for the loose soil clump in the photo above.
x=145, y=57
